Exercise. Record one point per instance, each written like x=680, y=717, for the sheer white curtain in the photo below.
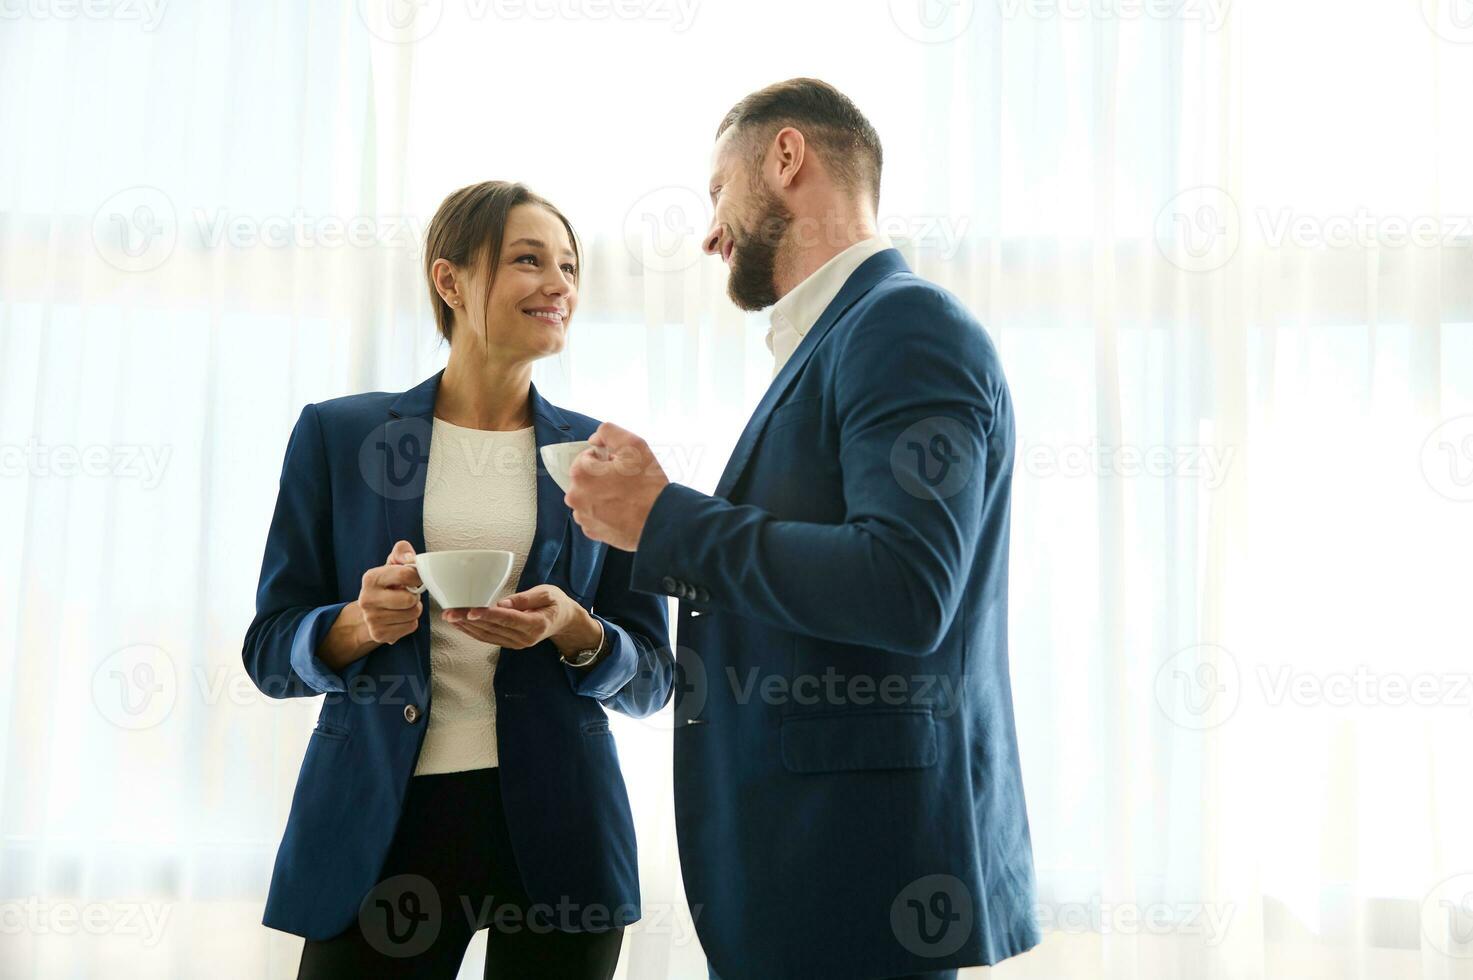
x=1225, y=250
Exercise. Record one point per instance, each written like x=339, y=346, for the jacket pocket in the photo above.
x=797, y=410
x=901, y=738
x=326, y=729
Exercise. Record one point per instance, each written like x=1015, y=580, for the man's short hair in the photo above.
x=849, y=145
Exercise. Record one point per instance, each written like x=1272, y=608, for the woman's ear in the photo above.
x=447, y=282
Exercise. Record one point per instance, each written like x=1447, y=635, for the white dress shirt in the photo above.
x=796, y=313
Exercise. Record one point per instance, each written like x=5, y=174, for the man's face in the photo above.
x=749, y=223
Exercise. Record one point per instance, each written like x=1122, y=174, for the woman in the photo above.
x=462, y=774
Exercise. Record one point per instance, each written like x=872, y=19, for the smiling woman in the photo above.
x=444, y=814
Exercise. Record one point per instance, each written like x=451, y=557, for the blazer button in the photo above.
x=669, y=584
x=702, y=595
x=411, y=713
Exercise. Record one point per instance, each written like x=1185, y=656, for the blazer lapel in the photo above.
x=552, y=514
x=863, y=279
x=402, y=448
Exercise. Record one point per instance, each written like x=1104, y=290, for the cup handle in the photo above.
x=415, y=589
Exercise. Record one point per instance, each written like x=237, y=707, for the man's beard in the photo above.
x=751, y=283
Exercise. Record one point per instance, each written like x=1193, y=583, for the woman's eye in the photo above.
x=570, y=269
x=519, y=258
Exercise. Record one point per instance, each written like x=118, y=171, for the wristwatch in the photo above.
x=582, y=658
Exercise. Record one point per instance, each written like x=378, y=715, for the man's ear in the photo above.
x=789, y=150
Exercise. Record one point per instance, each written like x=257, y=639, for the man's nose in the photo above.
x=713, y=238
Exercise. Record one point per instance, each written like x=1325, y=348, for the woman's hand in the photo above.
x=525, y=619
x=390, y=611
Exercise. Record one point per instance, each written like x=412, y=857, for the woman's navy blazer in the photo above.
x=352, y=484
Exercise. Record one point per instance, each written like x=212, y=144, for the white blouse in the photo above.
x=480, y=492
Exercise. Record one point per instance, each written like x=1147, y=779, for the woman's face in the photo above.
x=535, y=292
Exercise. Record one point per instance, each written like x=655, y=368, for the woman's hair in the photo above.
x=470, y=227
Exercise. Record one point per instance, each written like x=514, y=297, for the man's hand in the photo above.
x=525, y=619
x=614, y=487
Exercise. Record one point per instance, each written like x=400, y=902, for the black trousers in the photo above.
x=450, y=872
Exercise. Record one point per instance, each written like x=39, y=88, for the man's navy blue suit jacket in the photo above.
x=849, y=801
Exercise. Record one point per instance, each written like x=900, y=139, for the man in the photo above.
x=848, y=796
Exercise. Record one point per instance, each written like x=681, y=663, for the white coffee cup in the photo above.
x=463, y=579
x=559, y=458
